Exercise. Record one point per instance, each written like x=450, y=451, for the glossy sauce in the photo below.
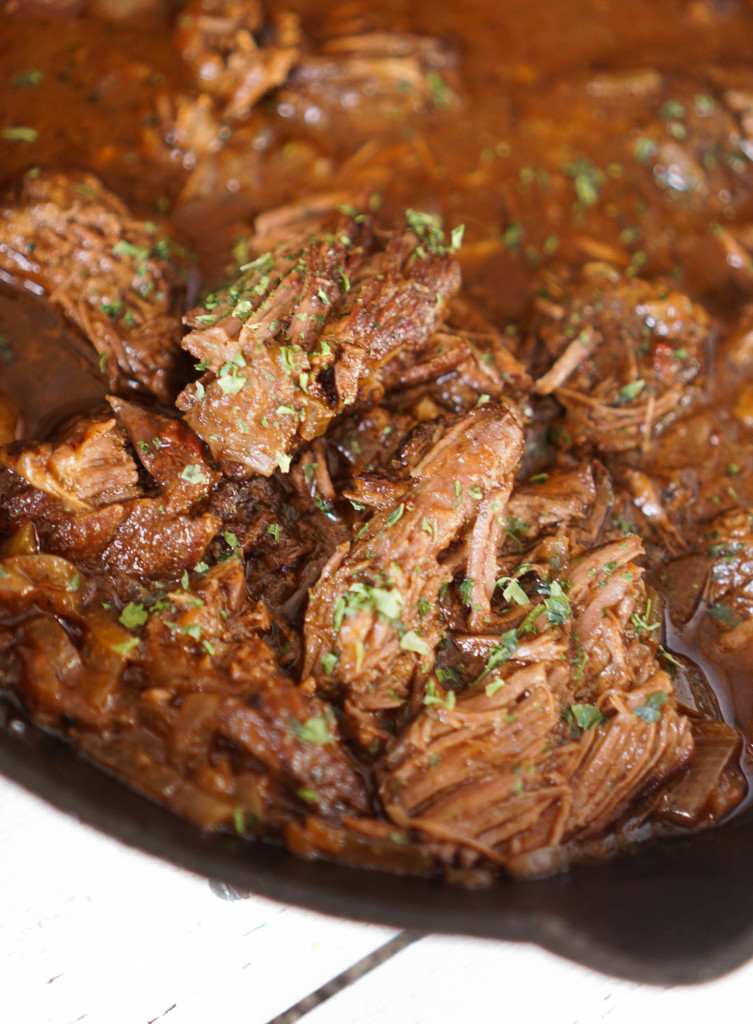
x=529, y=159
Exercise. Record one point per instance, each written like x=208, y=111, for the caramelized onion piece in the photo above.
x=352, y=843
x=687, y=799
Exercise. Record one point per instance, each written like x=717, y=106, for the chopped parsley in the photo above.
x=7, y=355
x=133, y=615
x=314, y=730
x=360, y=595
x=329, y=660
x=439, y=89
x=243, y=309
x=393, y=517
x=430, y=528
x=136, y=252
x=428, y=229
x=466, y=590
x=643, y=622
x=513, y=592
x=433, y=697
x=194, y=474
x=19, y=133
x=650, y=710
x=585, y=716
x=557, y=604
x=630, y=391
x=588, y=181
x=28, y=79
x=230, y=381
x=127, y=646
x=669, y=657
x=515, y=528
x=411, y=641
x=502, y=651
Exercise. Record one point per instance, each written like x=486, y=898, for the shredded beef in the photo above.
x=397, y=579
x=235, y=52
x=625, y=353
x=119, y=279
x=303, y=334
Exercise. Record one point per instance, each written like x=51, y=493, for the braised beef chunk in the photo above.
x=82, y=493
x=625, y=354
x=119, y=279
x=304, y=332
x=406, y=519
x=556, y=499
x=569, y=719
x=372, y=626
x=236, y=53
x=715, y=583
x=169, y=451
x=88, y=468
x=202, y=687
x=690, y=133
x=367, y=79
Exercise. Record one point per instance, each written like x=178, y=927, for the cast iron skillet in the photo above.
x=676, y=912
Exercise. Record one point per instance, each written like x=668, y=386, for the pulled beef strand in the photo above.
x=372, y=626
x=120, y=280
x=537, y=755
x=377, y=579
x=302, y=334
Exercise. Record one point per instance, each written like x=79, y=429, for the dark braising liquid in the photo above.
x=560, y=133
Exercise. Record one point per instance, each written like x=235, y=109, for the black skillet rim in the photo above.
x=675, y=912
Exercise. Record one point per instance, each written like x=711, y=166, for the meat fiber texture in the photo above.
x=236, y=53
x=570, y=718
x=326, y=600
x=304, y=332
x=121, y=280
x=626, y=354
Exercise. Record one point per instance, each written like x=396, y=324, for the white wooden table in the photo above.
x=93, y=931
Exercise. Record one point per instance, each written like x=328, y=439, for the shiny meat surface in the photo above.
x=631, y=352
x=372, y=626
x=303, y=333
x=376, y=412
x=235, y=54
x=120, y=280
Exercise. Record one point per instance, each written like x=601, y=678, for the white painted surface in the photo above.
x=440, y=980
x=93, y=931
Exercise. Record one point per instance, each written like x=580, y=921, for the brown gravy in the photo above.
x=549, y=154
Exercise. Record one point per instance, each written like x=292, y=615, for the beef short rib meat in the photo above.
x=119, y=279
x=237, y=53
x=303, y=333
x=570, y=719
x=372, y=626
x=621, y=353
x=82, y=494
